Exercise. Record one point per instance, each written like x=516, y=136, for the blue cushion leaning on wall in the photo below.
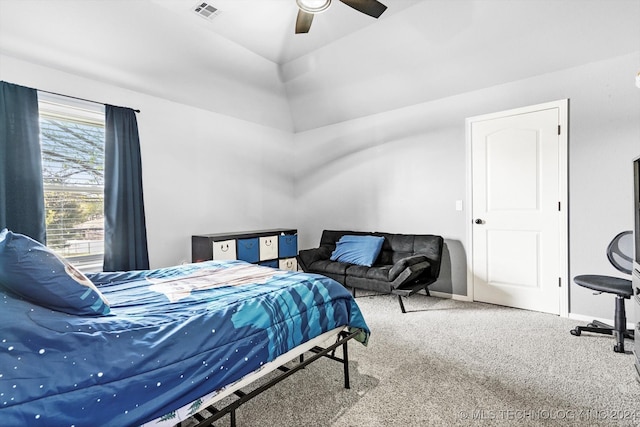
x=36, y=273
x=359, y=250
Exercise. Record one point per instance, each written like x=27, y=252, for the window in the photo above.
x=72, y=143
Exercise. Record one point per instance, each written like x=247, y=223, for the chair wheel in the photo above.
x=575, y=332
x=618, y=348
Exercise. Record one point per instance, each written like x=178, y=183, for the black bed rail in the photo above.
x=343, y=338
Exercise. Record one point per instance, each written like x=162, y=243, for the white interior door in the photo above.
x=516, y=209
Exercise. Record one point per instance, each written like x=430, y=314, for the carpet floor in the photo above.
x=453, y=363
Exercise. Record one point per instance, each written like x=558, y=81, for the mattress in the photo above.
x=172, y=336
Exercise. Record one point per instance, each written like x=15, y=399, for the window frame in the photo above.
x=58, y=107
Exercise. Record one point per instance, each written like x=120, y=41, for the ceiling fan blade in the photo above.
x=370, y=7
x=303, y=22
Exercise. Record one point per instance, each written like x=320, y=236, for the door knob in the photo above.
x=479, y=221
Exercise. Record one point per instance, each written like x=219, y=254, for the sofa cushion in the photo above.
x=306, y=257
x=381, y=286
x=358, y=250
x=373, y=273
x=333, y=267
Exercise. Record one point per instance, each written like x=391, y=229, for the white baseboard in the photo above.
x=589, y=319
x=574, y=316
x=451, y=296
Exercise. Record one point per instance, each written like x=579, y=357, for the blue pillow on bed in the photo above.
x=360, y=250
x=37, y=274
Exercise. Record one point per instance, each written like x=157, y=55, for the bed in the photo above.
x=154, y=346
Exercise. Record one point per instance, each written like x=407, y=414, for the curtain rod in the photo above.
x=79, y=99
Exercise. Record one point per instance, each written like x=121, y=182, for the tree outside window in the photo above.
x=72, y=143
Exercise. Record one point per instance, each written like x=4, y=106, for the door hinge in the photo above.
x=559, y=282
x=558, y=129
x=559, y=207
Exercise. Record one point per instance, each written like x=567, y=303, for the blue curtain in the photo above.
x=21, y=189
x=125, y=233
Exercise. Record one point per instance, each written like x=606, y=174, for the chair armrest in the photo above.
x=306, y=257
x=405, y=263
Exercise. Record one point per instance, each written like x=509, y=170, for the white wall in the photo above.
x=403, y=170
x=398, y=171
x=203, y=172
x=148, y=49
x=440, y=48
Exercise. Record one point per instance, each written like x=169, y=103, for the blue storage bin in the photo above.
x=248, y=250
x=288, y=245
x=272, y=263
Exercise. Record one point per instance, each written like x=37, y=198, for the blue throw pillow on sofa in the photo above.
x=36, y=273
x=359, y=250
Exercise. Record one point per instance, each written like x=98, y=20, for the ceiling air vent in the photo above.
x=206, y=11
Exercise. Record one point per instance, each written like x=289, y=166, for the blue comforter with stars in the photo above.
x=172, y=336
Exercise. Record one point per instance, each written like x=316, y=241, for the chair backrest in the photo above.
x=620, y=252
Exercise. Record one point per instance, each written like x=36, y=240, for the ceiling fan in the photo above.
x=308, y=8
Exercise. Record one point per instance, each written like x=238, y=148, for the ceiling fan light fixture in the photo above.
x=313, y=6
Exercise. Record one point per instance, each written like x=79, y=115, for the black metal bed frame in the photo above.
x=329, y=352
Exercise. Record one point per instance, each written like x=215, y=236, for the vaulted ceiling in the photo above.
x=349, y=65
x=266, y=27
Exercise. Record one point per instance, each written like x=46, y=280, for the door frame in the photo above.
x=563, y=191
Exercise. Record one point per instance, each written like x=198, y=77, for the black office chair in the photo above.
x=618, y=252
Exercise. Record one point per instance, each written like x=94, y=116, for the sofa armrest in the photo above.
x=306, y=257
x=407, y=262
